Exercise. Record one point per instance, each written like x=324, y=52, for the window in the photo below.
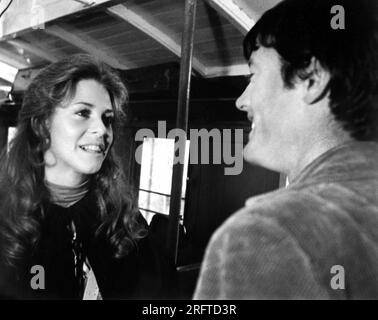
x=7, y=72
x=156, y=177
x=11, y=133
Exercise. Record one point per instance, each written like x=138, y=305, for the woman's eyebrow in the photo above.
x=91, y=105
x=85, y=103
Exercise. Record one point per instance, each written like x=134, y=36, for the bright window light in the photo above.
x=11, y=133
x=156, y=175
x=5, y=88
x=7, y=72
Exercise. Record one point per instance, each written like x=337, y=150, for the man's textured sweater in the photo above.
x=316, y=239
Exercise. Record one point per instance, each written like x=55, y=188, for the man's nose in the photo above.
x=242, y=102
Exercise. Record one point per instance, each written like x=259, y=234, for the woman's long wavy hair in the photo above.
x=22, y=188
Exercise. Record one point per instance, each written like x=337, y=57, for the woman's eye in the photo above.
x=108, y=120
x=84, y=113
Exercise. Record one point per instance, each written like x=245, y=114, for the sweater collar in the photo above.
x=67, y=196
x=352, y=160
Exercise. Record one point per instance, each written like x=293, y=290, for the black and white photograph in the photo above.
x=186, y=155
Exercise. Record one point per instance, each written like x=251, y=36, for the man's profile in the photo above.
x=312, y=100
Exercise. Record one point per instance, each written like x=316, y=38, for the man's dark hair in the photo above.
x=301, y=29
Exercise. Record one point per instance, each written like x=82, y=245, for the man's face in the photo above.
x=273, y=110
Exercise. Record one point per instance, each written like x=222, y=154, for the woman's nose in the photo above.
x=98, y=127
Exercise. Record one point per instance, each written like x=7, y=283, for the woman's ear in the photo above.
x=317, y=82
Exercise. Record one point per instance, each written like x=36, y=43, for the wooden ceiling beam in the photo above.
x=89, y=45
x=42, y=45
x=145, y=23
x=12, y=59
x=232, y=70
x=34, y=49
x=233, y=13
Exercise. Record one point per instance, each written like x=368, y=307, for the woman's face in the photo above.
x=81, y=134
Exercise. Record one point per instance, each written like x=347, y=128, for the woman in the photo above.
x=69, y=228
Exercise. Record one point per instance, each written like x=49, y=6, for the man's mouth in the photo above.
x=250, y=118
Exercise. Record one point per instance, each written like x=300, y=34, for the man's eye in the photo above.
x=83, y=113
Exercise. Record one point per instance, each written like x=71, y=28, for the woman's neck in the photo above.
x=64, y=179
x=67, y=196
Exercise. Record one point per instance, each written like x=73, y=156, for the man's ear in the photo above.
x=317, y=83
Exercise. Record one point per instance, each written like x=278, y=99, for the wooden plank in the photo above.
x=22, y=15
x=43, y=39
x=97, y=18
x=146, y=23
x=12, y=59
x=256, y=8
x=216, y=33
x=160, y=60
x=232, y=54
x=144, y=46
x=157, y=5
x=231, y=11
x=108, y=30
x=223, y=61
x=89, y=45
x=233, y=70
x=152, y=56
x=229, y=40
x=206, y=16
x=70, y=50
x=42, y=45
x=34, y=49
x=126, y=38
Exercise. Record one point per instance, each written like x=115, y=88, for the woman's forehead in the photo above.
x=91, y=93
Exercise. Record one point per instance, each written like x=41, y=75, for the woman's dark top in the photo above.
x=138, y=275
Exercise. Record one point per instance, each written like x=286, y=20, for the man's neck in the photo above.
x=313, y=150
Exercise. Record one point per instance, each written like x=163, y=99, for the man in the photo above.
x=311, y=100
